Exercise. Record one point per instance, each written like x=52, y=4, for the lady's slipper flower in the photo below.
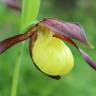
x=47, y=49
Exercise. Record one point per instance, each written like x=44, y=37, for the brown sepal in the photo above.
x=7, y=43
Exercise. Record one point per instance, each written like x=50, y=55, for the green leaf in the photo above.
x=30, y=10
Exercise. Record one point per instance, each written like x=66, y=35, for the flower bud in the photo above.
x=51, y=55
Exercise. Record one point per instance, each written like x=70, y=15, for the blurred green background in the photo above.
x=80, y=82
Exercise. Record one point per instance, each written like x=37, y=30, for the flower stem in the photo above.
x=30, y=9
x=17, y=71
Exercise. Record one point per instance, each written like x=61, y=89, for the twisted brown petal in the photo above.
x=7, y=43
x=88, y=59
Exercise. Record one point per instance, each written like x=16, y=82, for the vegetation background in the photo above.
x=80, y=82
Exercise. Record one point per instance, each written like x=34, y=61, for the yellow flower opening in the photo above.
x=51, y=55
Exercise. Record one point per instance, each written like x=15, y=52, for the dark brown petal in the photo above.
x=31, y=44
x=7, y=43
x=86, y=57
x=70, y=30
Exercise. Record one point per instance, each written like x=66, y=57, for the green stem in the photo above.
x=17, y=71
x=30, y=10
